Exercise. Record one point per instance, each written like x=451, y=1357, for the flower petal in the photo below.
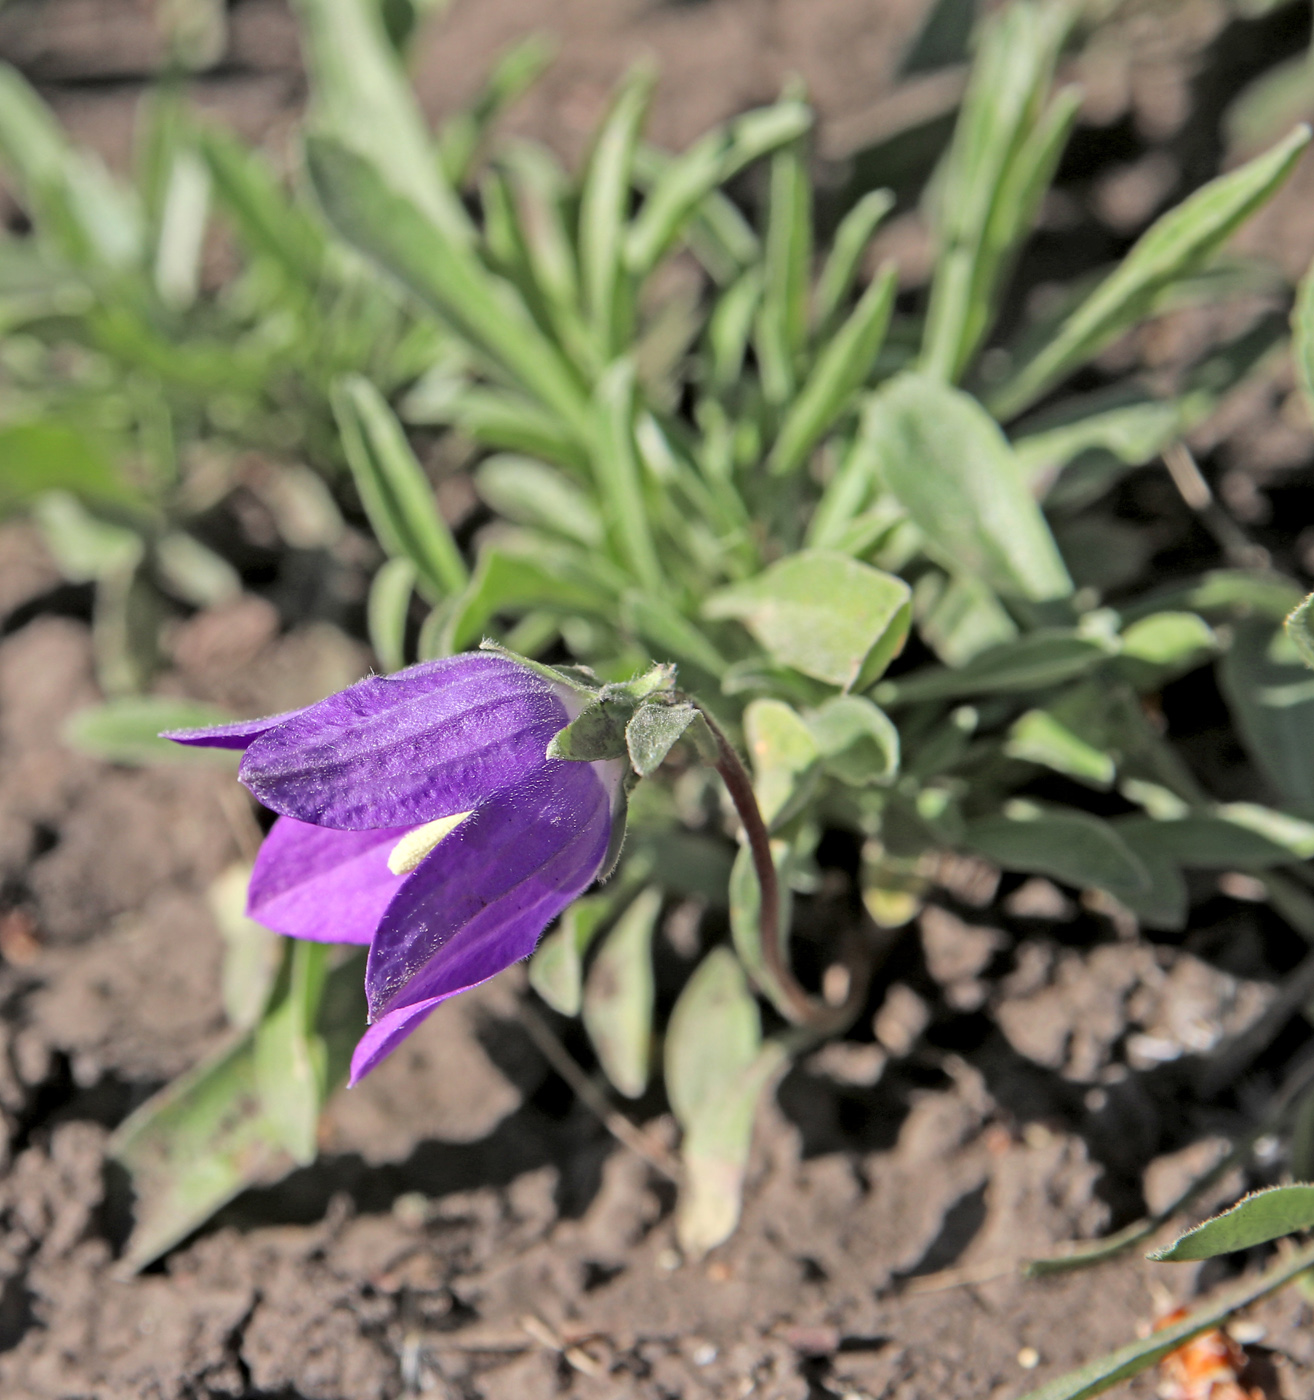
x=404, y=749
x=236, y=734
x=386, y=1034
x=480, y=899
x=313, y=882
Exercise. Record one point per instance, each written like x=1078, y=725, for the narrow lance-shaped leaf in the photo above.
x=360, y=96
x=1175, y=245
x=264, y=217
x=840, y=370
x=782, y=321
x=207, y=1136
x=556, y=971
x=1258, y=1218
x=1062, y=844
x=718, y=234
x=690, y=177
x=387, y=610
x=715, y=1154
x=84, y=546
x=1302, y=337
x=532, y=493
x=845, y=258
x=729, y=328
x=954, y=472
x=291, y=1068
x=394, y=490
x=616, y=470
x=713, y=1035
x=252, y=954
x=669, y=632
x=713, y=1042
x=72, y=198
x=746, y=920
x=1023, y=189
x=394, y=231
x=603, y=200
x=1300, y=628
x=618, y=996
x=183, y=221
x=127, y=730
x=514, y=73
x=1270, y=692
x=1107, y=1371
x=499, y=418
x=1009, y=80
x=509, y=582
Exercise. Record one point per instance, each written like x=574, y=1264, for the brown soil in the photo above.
x=1028, y=1071
x=471, y=1231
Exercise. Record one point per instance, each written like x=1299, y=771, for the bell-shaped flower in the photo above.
x=420, y=814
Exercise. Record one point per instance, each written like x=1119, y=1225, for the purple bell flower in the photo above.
x=419, y=814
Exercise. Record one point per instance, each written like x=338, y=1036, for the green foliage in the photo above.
x=1258, y=1218
x=774, y=478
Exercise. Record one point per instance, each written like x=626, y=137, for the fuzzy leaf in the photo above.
x=1300, y=628
x=394, y=490
x=823, y=614
x=784, y=755
x=556, y=971
x=715, y=1152
x=858, y=742
x=1256, y=1219
x=653, y=733
x=955, y=473
x=127, y=730
x=1177, y=244
x=618, y=996
x=1064, y=845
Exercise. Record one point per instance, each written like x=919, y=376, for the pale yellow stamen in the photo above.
x=415, y=845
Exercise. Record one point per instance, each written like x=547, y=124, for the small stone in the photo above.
x=1028, y=1358
x=1039, y=899
x=901, y=1019
x=955, y=950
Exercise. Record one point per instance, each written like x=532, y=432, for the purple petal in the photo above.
x=313, y=882
x=405, y=749
x=385, y=1035
x=236, y=734
x=480, y=899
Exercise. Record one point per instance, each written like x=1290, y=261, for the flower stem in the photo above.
x=802, y=1009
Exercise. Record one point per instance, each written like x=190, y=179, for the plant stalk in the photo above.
x=801, y=1008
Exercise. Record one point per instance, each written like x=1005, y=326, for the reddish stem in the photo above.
x=800, y=1007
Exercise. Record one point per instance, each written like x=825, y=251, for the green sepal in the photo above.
x=573, y=676
x=654, y=731
x=598, y=732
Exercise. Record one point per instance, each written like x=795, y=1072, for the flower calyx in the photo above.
x=640, y=719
